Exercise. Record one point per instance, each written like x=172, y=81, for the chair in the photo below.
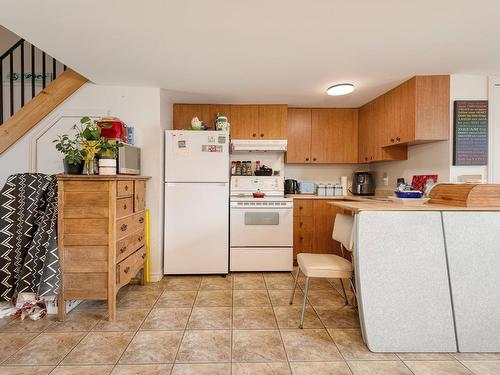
x=327, y=265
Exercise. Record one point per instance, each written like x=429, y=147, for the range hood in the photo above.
x=259, y=145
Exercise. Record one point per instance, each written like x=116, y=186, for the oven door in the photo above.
x=261, y=226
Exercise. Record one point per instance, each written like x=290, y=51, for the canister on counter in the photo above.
x=321, y=189
x=330, y=191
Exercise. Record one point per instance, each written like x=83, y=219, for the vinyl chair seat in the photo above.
x=324, y=265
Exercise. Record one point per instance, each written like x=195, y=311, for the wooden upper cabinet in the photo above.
x=273, y=121
x=418, y=111
x=183, y=113
x=244, y=121
x=299, y=135
x=334, y=135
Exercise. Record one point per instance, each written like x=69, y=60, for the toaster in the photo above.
x=307, y=187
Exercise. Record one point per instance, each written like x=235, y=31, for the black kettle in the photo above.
x=291, y=186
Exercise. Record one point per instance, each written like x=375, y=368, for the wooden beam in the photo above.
x=40, y=106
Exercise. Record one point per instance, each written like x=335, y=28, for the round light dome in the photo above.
x=340, y=89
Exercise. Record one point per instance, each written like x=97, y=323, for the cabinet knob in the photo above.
x=126, y=187
x=301, y=238
x=140, y=238
x=314, y=159
x=143, y=256
x=392, y=140
x=123, y=248
x=124, y=227
x=366, y=157
x=141, y=220
x=307, y=159
x=301, y=208
x=261, y=134
x=127, y=269
x=300, y=224
x=398, y=139
x=125, y=206
x=254, y=135
x=371, y=157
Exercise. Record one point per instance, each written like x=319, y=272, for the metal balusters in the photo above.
x=54, y=68
x=11, y=72
x=32, y=71
x=22, y=73
x=1, y=92
x=44, y=69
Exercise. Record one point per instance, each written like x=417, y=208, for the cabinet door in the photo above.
x=299, y=135
x=273, y=121
x=334, y=135
x=302, y=235
x=392, y=116
x=324, y=219
x=364, y=140
x=244, y=121
x=183, y=113
x=139, y=195
x=406, y=128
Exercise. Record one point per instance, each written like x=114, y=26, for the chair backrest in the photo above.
x=343, y=230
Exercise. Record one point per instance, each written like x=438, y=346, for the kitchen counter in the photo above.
x=356, y=205
x=326, y=197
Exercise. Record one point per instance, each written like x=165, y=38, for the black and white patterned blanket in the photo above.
x=28, y=236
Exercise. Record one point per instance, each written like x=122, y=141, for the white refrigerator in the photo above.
x=196, y=202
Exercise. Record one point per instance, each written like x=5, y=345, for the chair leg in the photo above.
x=304, y=304
x=295, y=285
x=343, y=290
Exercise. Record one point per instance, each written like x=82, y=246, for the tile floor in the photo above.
x=241, y=324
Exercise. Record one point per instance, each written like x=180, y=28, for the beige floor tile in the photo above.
x=99, y=348
x=28, y=325
x=279, y=282
x=25, y=370
x=92, y=305
x=341, y=317
x=251, y=298
x=379, y=368
x=323, y=368
x=182, y=282
x=476, y=356
x=46, y=349
x=210, y=318
x=201, y=369
x=11, y=342
x=257, y=346
x=309, y=345
x=216, y=283
x=316, y=284
x=167, y=318
x=78, y=320
x=283, y=275
x=158, y=369
x=289, y=317
x=437, y=368
x=214, y=298
x=152, y=347
x=352, y=347
x=282, y=297
x=82, y=370
x=425, y=356
x=176, y=298
x=270, y=368
x=5, y=321
x=255, y=282
x=126, y=320
x=253, y=318
x=205, y=346
x=138, y=300
x=326, y=298
x=483, y=367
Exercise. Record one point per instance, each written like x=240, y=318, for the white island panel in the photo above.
x=402, y=279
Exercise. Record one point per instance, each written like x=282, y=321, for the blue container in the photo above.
x=408, y=194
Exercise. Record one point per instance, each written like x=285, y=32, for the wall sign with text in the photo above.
x=470, y=140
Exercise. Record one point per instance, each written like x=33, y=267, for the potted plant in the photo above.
x=89, y=137
x=73, y=157
x=108, y=150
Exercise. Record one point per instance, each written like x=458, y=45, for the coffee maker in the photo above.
x=291, y=187
x=362, y=183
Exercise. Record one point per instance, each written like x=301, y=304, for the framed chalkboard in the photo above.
x=470, y=124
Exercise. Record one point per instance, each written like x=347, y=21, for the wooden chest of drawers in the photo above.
x=101, y=236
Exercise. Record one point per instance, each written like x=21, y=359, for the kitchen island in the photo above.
x=427, y=276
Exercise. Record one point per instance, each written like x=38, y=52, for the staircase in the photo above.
x=33, y=85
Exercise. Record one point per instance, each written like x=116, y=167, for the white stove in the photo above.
x=261, y=229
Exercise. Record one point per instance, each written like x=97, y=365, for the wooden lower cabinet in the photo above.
x=313, y=222
x=101, y=236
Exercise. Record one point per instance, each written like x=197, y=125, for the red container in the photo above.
x=113, y=128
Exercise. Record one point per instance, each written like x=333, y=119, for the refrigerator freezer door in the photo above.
x=196, y=156
x=196, y=228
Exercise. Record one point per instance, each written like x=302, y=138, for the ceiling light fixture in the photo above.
x=340, y=89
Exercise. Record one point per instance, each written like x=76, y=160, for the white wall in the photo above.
x=149, y=110
x=436, y=157
x=322, y=172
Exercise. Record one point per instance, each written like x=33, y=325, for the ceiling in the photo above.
x=279, y=51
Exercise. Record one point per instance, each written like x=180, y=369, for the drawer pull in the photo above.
x=141, y=220
x=125, y=206
x=307, y=159
x=143, y=256
x=262, y=134
x=123, y=249
x=254, y=135
x=392, y=140
x=126, y=187
x=301, y=223
x=124, y=227
x=127, y=269
x=398, y=139
x=301, y=238
x=140, y=238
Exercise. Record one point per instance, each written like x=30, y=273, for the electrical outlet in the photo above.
x=385, y=179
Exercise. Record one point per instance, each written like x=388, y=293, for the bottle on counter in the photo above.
x=249, y=168
x=257, y=165
x=238, y=168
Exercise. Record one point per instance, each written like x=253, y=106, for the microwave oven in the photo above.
x=129, y=160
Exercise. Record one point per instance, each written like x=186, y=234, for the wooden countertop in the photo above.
x=101, y=178
x=371, y=205
x=326, y=197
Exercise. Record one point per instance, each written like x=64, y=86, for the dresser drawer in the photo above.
x=124, y=188
x=129, y=244
x=129, y=224
x=303, y=207
x=124, y=207
x=139, y=196
x=128, y=268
